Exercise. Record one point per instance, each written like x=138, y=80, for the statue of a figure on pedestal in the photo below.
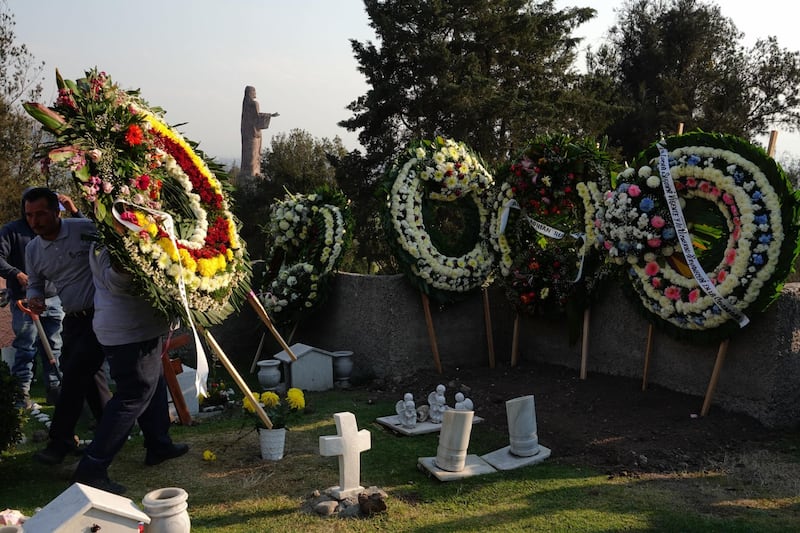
x=253, y=121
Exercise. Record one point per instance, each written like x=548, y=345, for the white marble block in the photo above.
x=451, y=454
x=522, y=435
x=313, y=370
x=84, y=508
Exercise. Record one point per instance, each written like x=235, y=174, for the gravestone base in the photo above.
x=393, y=423
x=503, y=459
x=473, y=466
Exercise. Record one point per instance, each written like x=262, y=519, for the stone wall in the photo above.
x=381, y=319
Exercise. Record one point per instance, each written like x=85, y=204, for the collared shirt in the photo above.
x=14, y=237
x=65, y=262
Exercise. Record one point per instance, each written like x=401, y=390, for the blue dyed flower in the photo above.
x=699, y=320
x=668, y=233
x=756, y=196
x=693, y=160
x=765, y=239
x=758, y=259
x=738, y=177
x=716, y=309
x=646, y=205
x=623, y=187
x=760, y=219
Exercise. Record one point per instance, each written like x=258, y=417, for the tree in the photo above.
x=296, y=162
x=491, y=73
x=20, y=78
x=673, y=61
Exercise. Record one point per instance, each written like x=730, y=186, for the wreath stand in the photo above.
x=257, y=356
x=262, y=314
x=171, y=377
x=723, y=345
x=584, y=342
x=426, y=307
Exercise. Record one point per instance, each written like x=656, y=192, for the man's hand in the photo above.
x=68, y=204
x=22, y=279
x=36, y=304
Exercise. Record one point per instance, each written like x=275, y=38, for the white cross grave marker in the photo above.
x=347, y=444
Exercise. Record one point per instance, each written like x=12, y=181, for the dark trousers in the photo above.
x=141, y=393
x=82, y=379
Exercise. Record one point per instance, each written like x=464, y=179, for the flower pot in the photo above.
x=342, y=368
x=273, y=442
x=269, y=374
x=167, y=511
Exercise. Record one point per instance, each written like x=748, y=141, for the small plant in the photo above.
x=10, y=415
x=280, y=412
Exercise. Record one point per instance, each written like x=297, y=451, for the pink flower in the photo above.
x=651, y=269
x=657, y=222
x=730, y=256
x=653, y=243
x=672, y=292
x=694, y=295
x=656, y=282
x=722, y=275
x=691, y=182
x=608, y=245
x=634, y=191
x=727, y=198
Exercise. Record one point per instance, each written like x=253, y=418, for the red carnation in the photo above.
x=134, y=135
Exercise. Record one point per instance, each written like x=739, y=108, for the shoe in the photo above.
x=102, y=483
x=51, y=455
x=156, y=457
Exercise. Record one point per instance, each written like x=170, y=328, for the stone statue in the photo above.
x=407, y=411
x=253, y=121
x=437, y=404
x=462, y=403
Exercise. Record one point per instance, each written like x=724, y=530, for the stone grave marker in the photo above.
x=452, y=461
x=347, y=445
x=312, y=371
x=524, y=448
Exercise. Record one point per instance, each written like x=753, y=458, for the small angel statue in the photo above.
x=407, y=411
x=462, y=403
x=437, y=403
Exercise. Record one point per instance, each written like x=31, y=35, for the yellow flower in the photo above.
x=248, y=405
x=208, y=455
x=270, y=399
x=187, y=260
x=296, y=399
x=166, y=244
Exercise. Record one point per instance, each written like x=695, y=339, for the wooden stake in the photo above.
x=257, y=356
x=515, y=342
x=712, y=384
x=171, y=378
x=680, y=128
x=236, y=377
x=262, y=314
x=585, y=342
x=773, y=142
x=487, y=318
x=647, y=350
x=426, y=306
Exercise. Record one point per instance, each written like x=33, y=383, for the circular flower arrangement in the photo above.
x=178, y=234
x=436, y=172
x=308, y=235
x=543, y=224
x=739, y=218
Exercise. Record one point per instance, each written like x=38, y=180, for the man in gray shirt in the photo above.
x=60, y=254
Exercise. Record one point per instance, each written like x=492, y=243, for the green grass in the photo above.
x=241, y=493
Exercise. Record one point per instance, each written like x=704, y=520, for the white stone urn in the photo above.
x=342, y=368
x=273, y=443
x=269, y=374
x=167, y=509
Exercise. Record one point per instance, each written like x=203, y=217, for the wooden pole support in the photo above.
x=262, y=314
x=257, y=356
x=712, y=384
x=515, y=342
x=426, y=306
x=773, y=142
x=487, y=318
x=680, y=128
x=236, y=377
x=648, y=349
x=585, y=342
x=171, y=378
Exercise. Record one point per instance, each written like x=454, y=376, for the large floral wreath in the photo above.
x=739, y=217
x=308, y=236
x=543, y=224
x=135, y=172
x=434, y=172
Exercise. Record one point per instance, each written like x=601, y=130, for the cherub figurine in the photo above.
x=462, y=403
x=437, y=403
x=407, y=411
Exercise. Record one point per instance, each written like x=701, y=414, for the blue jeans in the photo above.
x=26, y=343
x=140, y=394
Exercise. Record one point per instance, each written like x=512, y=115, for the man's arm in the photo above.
x=35, y=290
x=7, y=270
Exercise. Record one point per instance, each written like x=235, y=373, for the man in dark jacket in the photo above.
x=14, y=237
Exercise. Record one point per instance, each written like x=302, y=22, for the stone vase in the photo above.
x=167, y=509
x=451, y=455
x=342, y=368
x=269, y=374
x=273, y=442
x=522, y=434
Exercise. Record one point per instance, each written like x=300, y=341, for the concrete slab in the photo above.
x=393, y=423
x=474, y=466
x=503, y=459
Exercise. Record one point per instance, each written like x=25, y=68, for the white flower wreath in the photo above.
x=453, y=172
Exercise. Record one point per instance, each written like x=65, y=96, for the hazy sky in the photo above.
x=193, y=58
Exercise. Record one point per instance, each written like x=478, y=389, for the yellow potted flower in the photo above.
x=280, y=412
